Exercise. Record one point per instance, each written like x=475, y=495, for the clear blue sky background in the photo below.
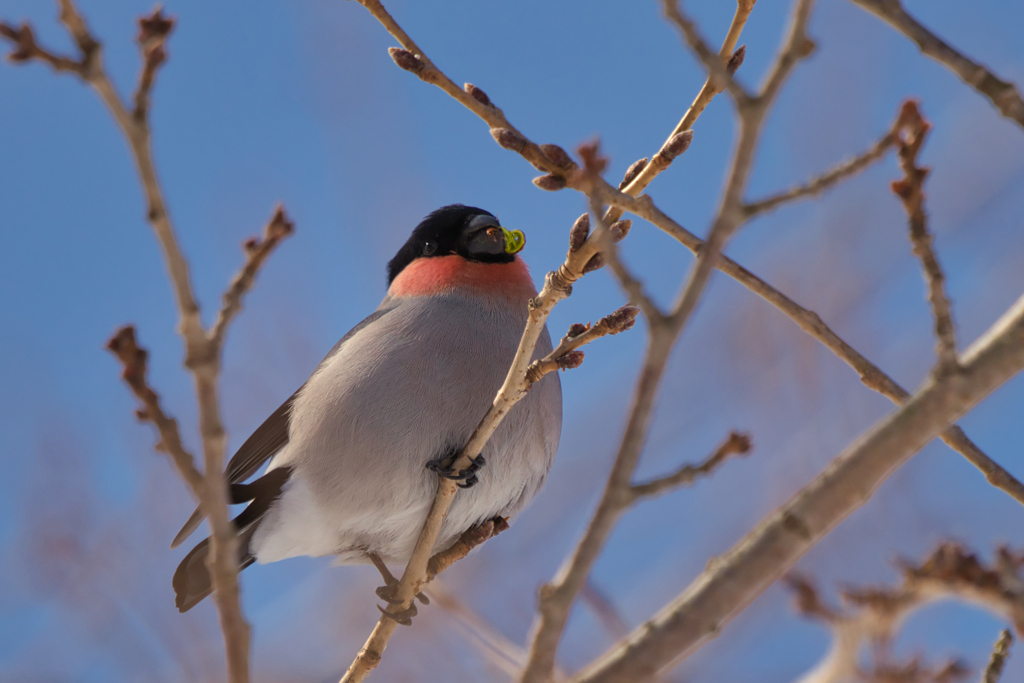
x=298, y=102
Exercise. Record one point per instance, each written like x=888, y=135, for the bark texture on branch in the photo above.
x=732, y=581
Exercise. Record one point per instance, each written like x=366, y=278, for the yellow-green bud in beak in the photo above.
x=515, y=240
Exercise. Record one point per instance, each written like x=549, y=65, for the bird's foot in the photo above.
x=404, y=617
x=466, y=477
x=388, y=592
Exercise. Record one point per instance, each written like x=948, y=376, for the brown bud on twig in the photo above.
x=571, y=360
x=509, y=139
x=578, y=233
x=576, y=329
x=632, y=172
x=622, y=319
x=251, y=245
x=558, y=156
x=677, y=144
x=736, y=61
x=24, y=38
x=478, y=94
x=596, y=262
x=590, y=153
x=551, y=183
x=406, y=59
x=280, y=225
x=154, y=27
x=619, y=229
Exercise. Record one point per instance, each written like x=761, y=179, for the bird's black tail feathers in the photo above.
x=191, y=580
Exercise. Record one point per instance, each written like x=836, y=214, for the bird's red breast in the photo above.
x=439, y=274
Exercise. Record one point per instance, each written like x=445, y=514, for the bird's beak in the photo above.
x=515, y=240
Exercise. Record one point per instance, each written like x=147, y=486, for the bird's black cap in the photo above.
x=445, y=232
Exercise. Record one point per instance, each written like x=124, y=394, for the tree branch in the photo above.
x=133, y=358
x=874, y=616
x=1003, y=94
x=732, y=581
x=256, y=250
x=825, y=181
x=735, y=444
x=715, y=63
x=1000, y=653
x=556, y=598
x=911, y=193
x=202, y=350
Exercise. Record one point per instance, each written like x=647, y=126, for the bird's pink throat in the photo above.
x=427, y=276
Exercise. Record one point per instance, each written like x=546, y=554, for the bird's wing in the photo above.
x=269, y=437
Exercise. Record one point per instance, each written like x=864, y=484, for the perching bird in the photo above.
x=351, y=451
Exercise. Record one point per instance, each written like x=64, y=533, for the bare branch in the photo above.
x=563, y=356
x=1000, y=653
x=1003, y=94
x=256, y=250
x=643, y=175
x=133, y=358
x=152, y=36
x=873, y=616
x=715, y=63
x=911, y=193
x=556, y=598
x=825, y=181
x=732, y=581
x=26, y=49
x=735, y=444
x=472, y=538
x=201, y=351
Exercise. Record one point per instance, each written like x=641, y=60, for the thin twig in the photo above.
x=1003, y=94
x=202, y=350
x=825, y=181
x=911, y=193
x=642, y=173
x=556, y=598
x=257, y=250
x=1000, y=653
x=714, y=62
x=134, y=359
x=734, y=444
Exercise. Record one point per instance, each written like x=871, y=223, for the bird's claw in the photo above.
x=466, y=477
x=387, y=594
x=404, y=617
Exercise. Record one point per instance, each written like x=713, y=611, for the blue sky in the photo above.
x=264, y=101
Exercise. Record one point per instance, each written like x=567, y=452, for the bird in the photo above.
x=355, y=452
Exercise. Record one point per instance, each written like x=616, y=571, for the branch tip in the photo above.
x=635, y=169
x=736, y=61
x=154, y=27
x=579, y=232
x=590, y=153
x=550, y=182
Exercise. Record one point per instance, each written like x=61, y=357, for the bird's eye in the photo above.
x=429, y=248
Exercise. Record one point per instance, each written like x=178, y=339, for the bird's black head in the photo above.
x=472, y=233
